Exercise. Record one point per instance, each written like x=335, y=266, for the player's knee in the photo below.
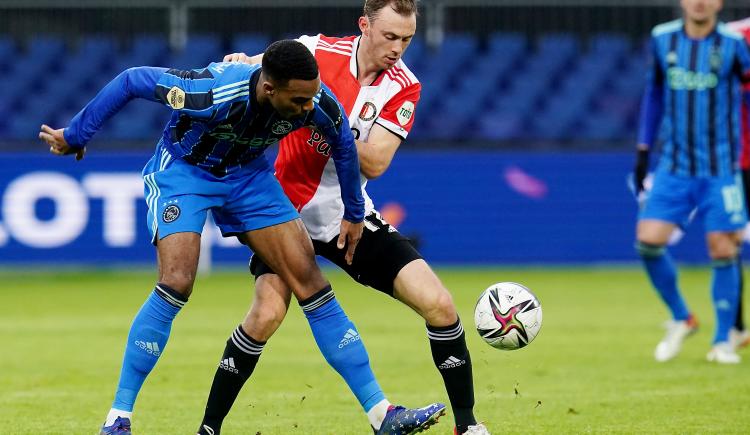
x=263, y=320
x=180, y=281
x=648, y=250
x=440, y=310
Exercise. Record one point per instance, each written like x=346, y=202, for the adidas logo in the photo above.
x=350, y=337
x=228, y=364
x=151, y=348
x=452, y=362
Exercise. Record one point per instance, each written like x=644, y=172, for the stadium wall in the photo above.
x=462, y=207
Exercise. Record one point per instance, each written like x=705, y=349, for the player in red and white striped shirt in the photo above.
x=739, y=335
x=380, y=94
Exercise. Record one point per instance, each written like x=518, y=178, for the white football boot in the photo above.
x=723, y=353
x=677, y=332
x=739, y=339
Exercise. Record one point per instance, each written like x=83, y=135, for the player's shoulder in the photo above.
x=667, y=28
x=227, y=73
x=327, y=107
x=401, y=74
x=730, y=31
x=335, y=44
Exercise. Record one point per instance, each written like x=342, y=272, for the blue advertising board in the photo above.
x=462, y=207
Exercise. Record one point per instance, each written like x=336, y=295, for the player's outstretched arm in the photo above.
x=132, y=83
x=57, y=143
x=244, y=58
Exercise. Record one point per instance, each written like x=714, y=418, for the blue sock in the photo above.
x=663, y=274
x=340, y=344
x=146, y=341
x=724, y=289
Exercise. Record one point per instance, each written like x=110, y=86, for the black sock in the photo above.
x=739, y=324
x=451, y=357
x=237, y=364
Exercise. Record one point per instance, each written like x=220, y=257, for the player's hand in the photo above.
x=237, y=57
x=641, y=170
x=349, y=237
x=57, y=143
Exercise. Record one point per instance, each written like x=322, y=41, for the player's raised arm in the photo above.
x=652, y=107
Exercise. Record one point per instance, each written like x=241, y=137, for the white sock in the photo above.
x=114, y=413
x=376, y=414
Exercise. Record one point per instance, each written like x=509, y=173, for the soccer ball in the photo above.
x=508, y=316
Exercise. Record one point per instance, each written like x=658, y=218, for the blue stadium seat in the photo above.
x=199, y=51
x=507, y=44
x=500, y=125
x=610, y=43
x=8, y=52
x=415, y=52
x=249, y=43
x=148, y=50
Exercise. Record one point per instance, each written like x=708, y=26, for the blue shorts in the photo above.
x=179, y=195
x=718, y=201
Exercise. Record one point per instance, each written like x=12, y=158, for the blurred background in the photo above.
x=519, y=154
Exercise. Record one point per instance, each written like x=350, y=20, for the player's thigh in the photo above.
x=668, y=204
x=654, y=232
x=722, y=205
x=286, y=248
x=256, y=201
x=418, y=286
x=179, y=196
x=177, y=257
x=380, y=255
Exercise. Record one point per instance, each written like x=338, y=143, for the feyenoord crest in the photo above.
x=171, y=213
x=281, y=127
x=368, y=112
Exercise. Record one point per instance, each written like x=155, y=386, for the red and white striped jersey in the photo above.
x=743, y=27
x=304, y=166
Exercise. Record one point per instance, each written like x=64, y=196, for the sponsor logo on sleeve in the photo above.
x=405, y=113
x=176, y=98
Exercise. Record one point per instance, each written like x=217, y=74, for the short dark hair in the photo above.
x=289, y=60
x=402, y=7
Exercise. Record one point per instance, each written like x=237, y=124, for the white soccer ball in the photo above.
x=508, y=316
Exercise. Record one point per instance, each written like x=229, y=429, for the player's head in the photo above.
x=290, y=78
x=388, y=27
x=701, y=11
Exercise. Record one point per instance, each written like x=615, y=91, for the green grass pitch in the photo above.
x=590, y=370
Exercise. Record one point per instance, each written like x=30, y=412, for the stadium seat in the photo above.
x=249, y=43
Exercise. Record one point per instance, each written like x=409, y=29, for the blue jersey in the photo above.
x=217, y=123
x=694, y=90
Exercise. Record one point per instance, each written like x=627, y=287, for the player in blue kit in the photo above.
x=210, y=157
x=694, y=93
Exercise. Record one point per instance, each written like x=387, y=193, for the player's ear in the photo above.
x=268, y=88
x=364, y=26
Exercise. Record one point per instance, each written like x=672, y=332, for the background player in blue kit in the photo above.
x=210, y=157
x=694, y=92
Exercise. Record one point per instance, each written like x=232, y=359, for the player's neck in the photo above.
x=699, y=29
x=367, y=70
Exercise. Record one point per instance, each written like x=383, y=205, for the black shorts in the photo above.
x=380, y=255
